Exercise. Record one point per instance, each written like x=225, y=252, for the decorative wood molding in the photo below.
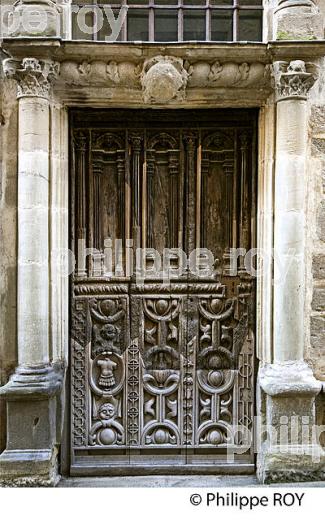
x=89, y=289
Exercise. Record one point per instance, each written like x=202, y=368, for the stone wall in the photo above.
x=315, y=279
x=321, y=5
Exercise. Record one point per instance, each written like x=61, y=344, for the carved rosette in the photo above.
x=33, y=76
x=293, y=80
x=163, y=79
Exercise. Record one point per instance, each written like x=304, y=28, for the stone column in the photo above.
x=297, y=20
x=35, y=18
x=290, y=450
x=31, y=393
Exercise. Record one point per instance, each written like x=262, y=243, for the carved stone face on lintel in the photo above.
x=163, y=79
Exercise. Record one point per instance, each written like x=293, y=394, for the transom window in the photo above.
x=168, y=20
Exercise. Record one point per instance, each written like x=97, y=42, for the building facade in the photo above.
x=155, y=126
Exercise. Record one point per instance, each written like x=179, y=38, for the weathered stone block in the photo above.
x=32, y=396
x=29, y=468
x=317, y=118
x=318, y=303
x=320, y=417
x=317, y=331
x=318, y=147
x=321, y=221
x=298, y=21
x=291, y=454
x=319, y=267
x=31, y=424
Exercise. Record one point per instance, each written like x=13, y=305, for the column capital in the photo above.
x=34, y=76
x=34, y=19
x=293, y=80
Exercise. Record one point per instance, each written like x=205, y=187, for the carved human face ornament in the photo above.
x=106, y=411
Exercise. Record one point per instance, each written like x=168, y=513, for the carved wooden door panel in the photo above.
x=162, y=316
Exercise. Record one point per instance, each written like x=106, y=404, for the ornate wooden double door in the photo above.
x=162, y=304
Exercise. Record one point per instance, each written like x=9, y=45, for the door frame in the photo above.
x=264, y=238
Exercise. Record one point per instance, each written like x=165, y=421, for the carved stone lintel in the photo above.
x=163, y=79
x=101, y=73
x=293, y=80
x=33, y=76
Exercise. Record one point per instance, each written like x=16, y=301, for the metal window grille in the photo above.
x=175, y=20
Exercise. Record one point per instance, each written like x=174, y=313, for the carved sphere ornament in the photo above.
x=163, y=79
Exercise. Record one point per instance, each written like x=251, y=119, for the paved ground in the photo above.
x=174, y=481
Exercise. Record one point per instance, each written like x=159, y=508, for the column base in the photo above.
x=33, y=400
x=290, y=449
x=301, y=463
x=29, y=468
x=288, y=379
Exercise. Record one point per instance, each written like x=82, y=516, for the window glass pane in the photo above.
x=166, y=2
x=194, y=25
x=137, y=2
x=108, y=2
x=250, y=25
x=221, y=2
x=194, y=2
x=83, y=24
x=249, y=2
x=221, y=25
x=138, y=25
x=106, y=29
x=166, y=25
